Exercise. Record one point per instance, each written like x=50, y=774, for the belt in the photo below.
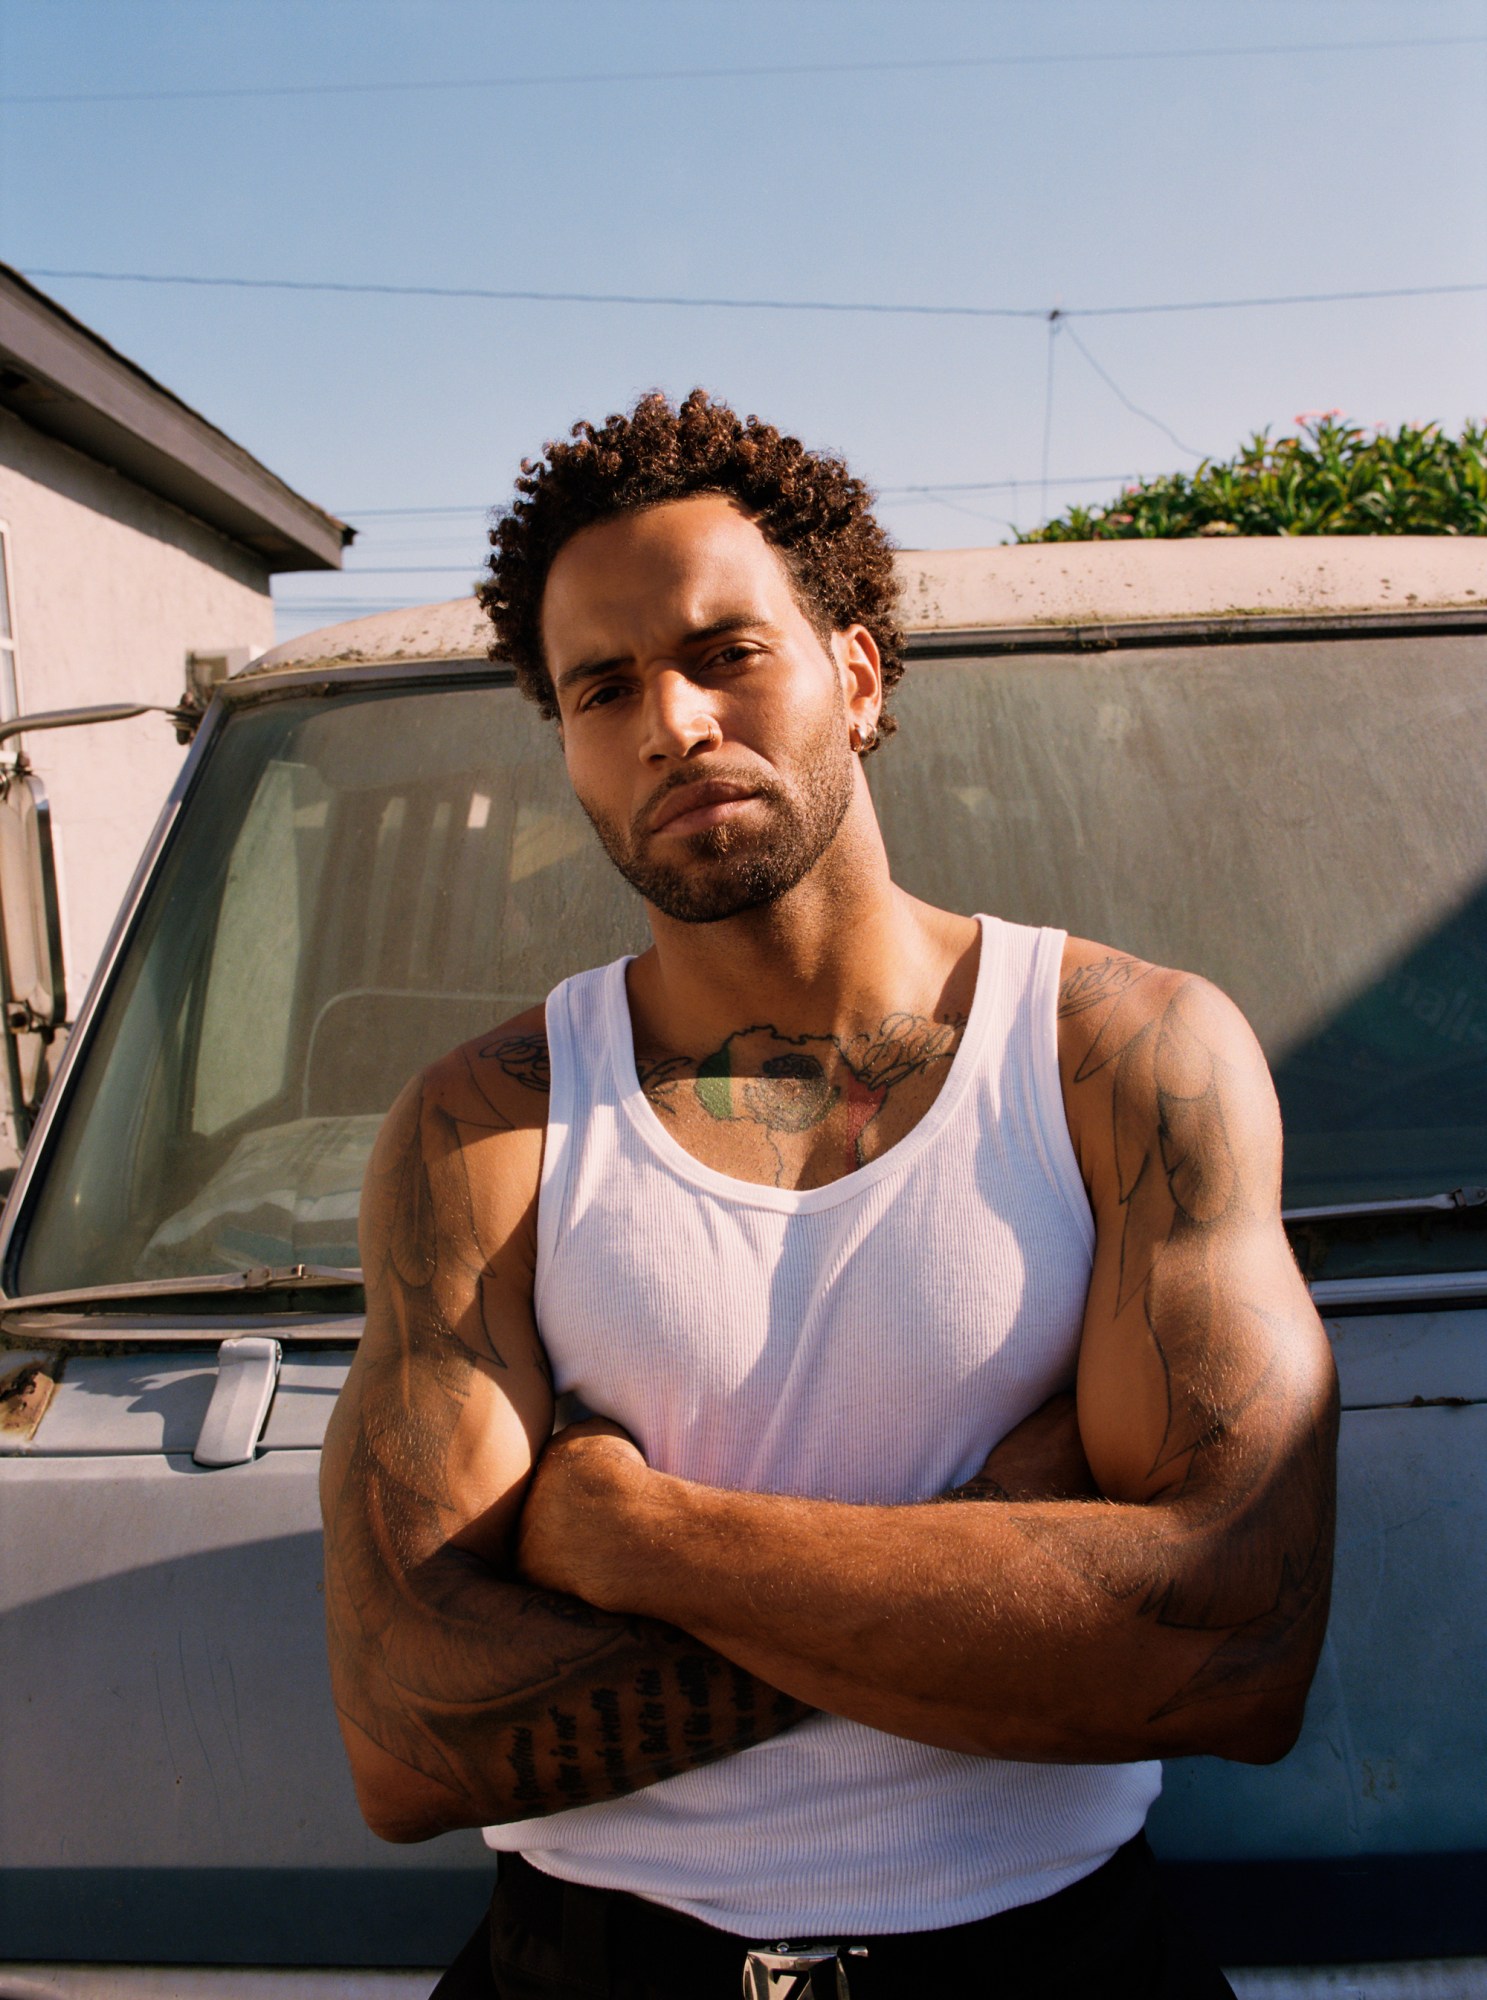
x=591, y=1944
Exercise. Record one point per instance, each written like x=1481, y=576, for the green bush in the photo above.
x=1333, y=479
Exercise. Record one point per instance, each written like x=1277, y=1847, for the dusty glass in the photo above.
x=356, y=885
x=1302, y=820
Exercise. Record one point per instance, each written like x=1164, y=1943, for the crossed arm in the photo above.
x=466, y=1694
x=1151, y=1576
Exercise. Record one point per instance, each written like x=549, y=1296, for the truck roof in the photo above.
x=1041, y=584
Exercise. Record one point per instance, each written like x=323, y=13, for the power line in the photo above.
x=349, y=513
x=1121, y=396
x=407, y=513
x=1054, y=321
x=925, y=311
x=975, y=513
x=1003, y=485
x=745, y=72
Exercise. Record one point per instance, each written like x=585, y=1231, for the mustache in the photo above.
x=714, y=774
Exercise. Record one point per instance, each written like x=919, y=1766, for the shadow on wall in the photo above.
x=1389, y=1096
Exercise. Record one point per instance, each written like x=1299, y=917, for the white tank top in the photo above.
x=865, y=1341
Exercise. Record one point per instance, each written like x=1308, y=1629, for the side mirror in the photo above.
x=33, y=985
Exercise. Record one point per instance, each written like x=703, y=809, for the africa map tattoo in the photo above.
x=789, y=1084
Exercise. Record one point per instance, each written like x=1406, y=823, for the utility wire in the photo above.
x=882, y=492
x=1054, y=321
x=1002, y=485
x=219, y=92
x=756, y=305
x=1120, y=394
x=976, y=513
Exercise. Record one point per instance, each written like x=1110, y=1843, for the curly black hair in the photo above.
x=806, y=504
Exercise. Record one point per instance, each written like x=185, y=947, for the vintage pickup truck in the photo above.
x=1259, y=759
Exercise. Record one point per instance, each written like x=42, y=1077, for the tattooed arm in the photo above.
x=465, y=1696
x=1174, y=1606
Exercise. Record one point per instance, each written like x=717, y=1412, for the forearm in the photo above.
x=1066, y=1630
x=467, y=1699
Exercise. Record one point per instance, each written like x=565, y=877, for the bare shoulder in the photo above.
x=1100, y=987
x=1149, y=1049
x=455, y=1170
x=498, y=1080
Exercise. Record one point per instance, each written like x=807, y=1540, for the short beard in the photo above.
x=731, y=872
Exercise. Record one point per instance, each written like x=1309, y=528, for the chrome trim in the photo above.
x=77, y=718
x=1423, y=1288
x=1409, y=1204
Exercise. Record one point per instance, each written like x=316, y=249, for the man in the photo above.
x=834, y=1205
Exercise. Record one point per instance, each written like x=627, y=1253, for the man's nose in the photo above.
x=677, y=718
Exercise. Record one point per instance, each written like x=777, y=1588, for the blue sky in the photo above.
x=1025, y=153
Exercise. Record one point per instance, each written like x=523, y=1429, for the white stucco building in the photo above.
x=132, y=533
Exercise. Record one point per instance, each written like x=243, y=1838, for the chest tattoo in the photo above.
x=830, y=1100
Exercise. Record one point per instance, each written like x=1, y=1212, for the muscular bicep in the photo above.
x=1202, y=1357
x=465, y=1693
x=1206, y=1390
x=449, y=1400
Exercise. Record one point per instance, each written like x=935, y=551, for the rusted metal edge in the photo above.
x=26, y=1392
x=1239, y=628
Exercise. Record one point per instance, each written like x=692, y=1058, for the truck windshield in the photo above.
x=360, y=881
x=1302, y=820
x=356, y=885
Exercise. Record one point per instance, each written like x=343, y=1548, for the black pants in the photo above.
x=1108, y=1937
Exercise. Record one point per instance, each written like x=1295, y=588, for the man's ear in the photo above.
x=860, y=668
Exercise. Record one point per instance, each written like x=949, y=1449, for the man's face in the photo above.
x=705, y=724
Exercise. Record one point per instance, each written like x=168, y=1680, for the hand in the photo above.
x=571, y=1536
x=1042, y=1459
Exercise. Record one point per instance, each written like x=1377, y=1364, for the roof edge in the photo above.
x=65, y=380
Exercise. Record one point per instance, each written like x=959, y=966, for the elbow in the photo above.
x=403, y=1813
x=1270, y=1733
x=398, y=1803
x=401, y=1829
x=1260, y=1730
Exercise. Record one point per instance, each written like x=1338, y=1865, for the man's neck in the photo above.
x=843, y=950
x=793, y=1046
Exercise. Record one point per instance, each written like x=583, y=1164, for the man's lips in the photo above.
x=695, y=802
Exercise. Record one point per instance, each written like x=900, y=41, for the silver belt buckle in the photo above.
x=787, y=1972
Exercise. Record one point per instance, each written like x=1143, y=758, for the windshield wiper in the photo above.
x=262, y=1278
x=1410, y=1204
